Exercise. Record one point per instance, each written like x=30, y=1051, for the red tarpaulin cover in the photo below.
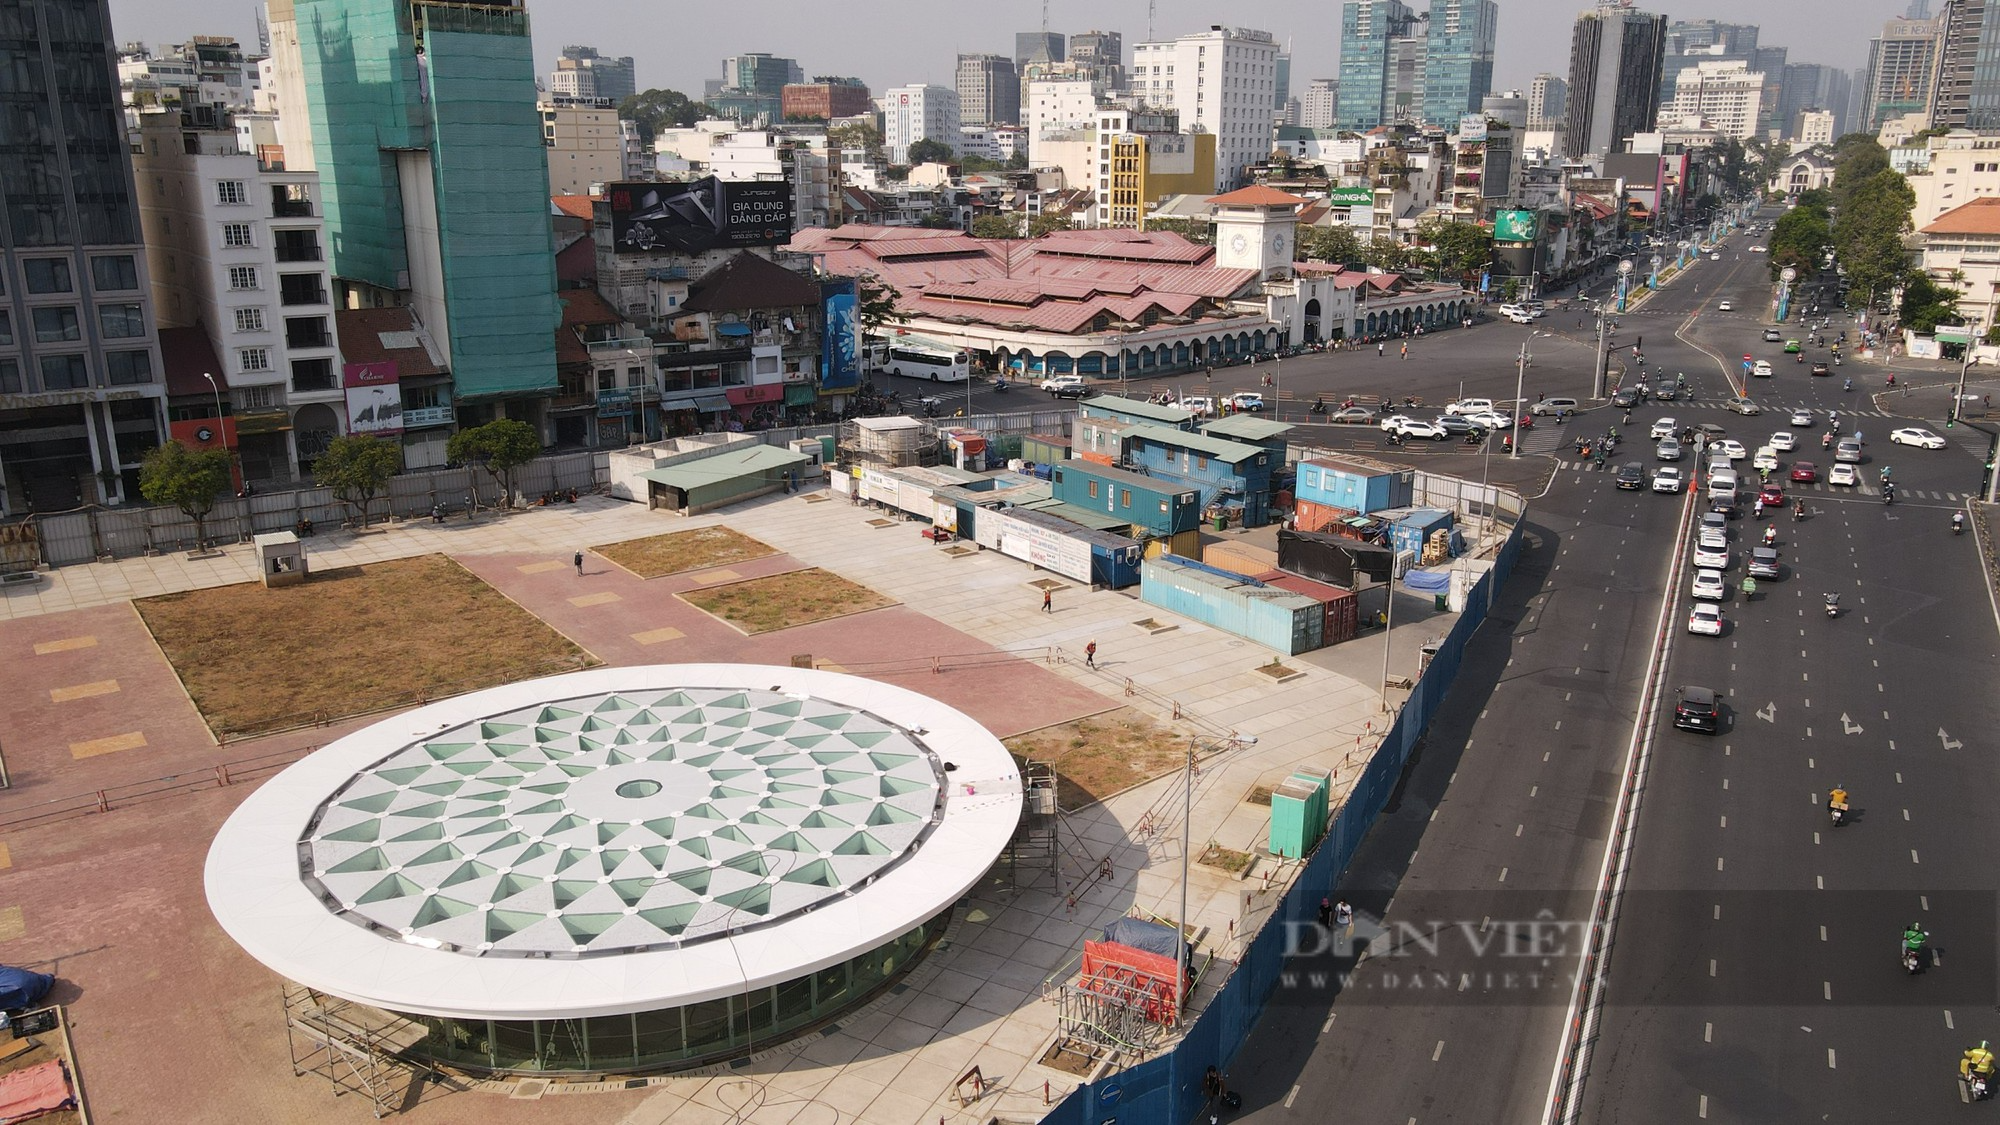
x=1123, y=971
x=33, y=1091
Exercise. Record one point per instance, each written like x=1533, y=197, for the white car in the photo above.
x=1725, y=306
x=1489, y=419
x=1784, y=442
x=1712, y=558
x=1664, y=428
x=1470, y=406
x=1843, y=474
x=1802, y=417
x=1056, y=382
x=1251, y=401
x=1201, y=406
x=1917, y=436
x=1395, y=422
x=1411, y=428
x=1705, y=619
x=1668, y=450
x=1708, y=585
x=1756, y=249
x=1765, y=459
x=1726, y=451
x=1714, y=537
x=1714, y=256
x=1520, y=316
x=1666, y=479
x=1762, y=370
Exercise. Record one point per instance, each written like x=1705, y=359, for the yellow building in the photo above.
x=1147, y=167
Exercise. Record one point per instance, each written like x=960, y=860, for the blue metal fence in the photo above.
x=1168, y=1087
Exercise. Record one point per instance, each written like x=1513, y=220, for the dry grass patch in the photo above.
x=782, y=601
x=1224, y=859
x=1103, y=754
x=676, y=552
x=347, y=642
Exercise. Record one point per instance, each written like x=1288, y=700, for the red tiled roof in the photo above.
x=187, y=353
x=1257, y=195
x=1975, y=216
x=361, y=331
x=575, y=206
x=586, y=306
x=577, y=262
x=748, y=281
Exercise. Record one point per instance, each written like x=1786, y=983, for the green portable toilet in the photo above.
x=1291, y=819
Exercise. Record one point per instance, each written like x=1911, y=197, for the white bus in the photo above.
x=922, y=359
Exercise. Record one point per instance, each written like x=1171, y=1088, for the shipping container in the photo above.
x=1161, y=507
x=1359, y=486
x=1073, y=551
x=1277, y=619
x=1341, y=607
x=1411, y=531
x=1186, y=544
x=1310, y=515
x=1238, y=556
x=1332, y=559
x=1042, y=449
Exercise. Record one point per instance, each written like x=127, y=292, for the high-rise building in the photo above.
x=583, y=73
x=1690, y=42
x=826, y=98
x=1321, y=105
x=1037, y=46
x=79, y=371
x=1458, y=58
x=1509, y=107
x=1813, y=127
x=1812, y=86
x=989, y=90
x=1614, y=77
x=1902, y=70
x=915, y=113
x=1548, y=101
x=1222, y=80
x=1104, y=53
x=586, y=146
x=434, y=177
x=1367, y=28
x=1282, y=68
x=1726, y=96
x=1404, y=99
x=1966, y=91
x=753, y=86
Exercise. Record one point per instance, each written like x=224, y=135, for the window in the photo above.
x=121, y=322
x=10, y=377
x=253, y=359
x=236, y=234
x=126, y=368
x=56, y=325
x=6, y=329
x=255, y=398
x=301, y=289
x=115, y=273
x=64, y=373
x=243, y=277
x=47, y=275
x=1093, y=490
x=249, y=320
x=230, y=192
x=312, y=375
x=607, y=380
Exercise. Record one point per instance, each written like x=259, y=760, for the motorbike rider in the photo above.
x=1978, y=1060
x=1888, y=493
x=1798, y=510
x=1757, y=509
x=1832, y=601
x=1770, y=536
x=1892, y=378
x=1914, y=936
x=1847, y=384
x=1838, y=798
x=1957, y=522
x=1885, y=474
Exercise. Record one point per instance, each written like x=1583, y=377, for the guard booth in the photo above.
x=281, y=560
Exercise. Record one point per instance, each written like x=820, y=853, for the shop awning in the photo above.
x=800, y=394
x=706, y=404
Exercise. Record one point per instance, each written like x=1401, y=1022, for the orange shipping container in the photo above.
x=1319, y=517
x=1238, y=557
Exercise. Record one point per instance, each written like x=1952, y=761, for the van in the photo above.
x=1721, y=475
x=1470, y=406
x=1721, y=497
x=1513, y=310
x=1556, y=406
x=1849, y=451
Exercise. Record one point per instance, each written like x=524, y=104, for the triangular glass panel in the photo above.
x=511, y=839
x=705, y=811
x=439, y=788
x=807, y=741
x=555, y=715
x=835, y=721
x=576, y=770
x=567, y=822
x=362, y=832
x=731, y=833
x=836, y=797
x=727, y=774
x=761, y=820
x=372, y=804
x=867, y=738
x=428, y=811
x=498, y=730
x=466, y=769
x=663, y=827
x=861, y=843
x=615, y=757
x=630, y=891
x=782, y=772
x=431, y=831
x=596, y=724
x=888, y=761
x=889, y=814
x=751, y=900
x=569, y=890
x=544, y=807
x=842, y=777
x=533, y=852
x=614, y=703
x=724, y=792
x=736, y=700
x=611, y=830
x=655, y=855
x=402, y=775
x=753, y=862
x=671, y=920
x=696, y=846
x=819, y=819
x=775, y=730
x=467, y=871
x=740, y=719
x=694, y=879
x=395, y=886
x=491, y=826
x=896, y=786
x=503, y=924
x=703, y=760
x=818, y=873
x=626, y=738
x=674, y=699
x=790, y=842
x=591, y=745
x=438, y=908
x=829, y=757
x=370, y=859
x=586, y=928
x=443, y=750
x=790, y=707
x=797, y=786
x=779, y=803
x=443, y=853
x=511, y=885
x=642, y=718
x=571, y=857
x=548, y=787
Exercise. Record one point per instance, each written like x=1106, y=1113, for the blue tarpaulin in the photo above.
x=20, y=988
x=1153, y=937
x=1427, y=581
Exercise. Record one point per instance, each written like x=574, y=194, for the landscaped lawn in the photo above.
x=781, y=601
x=657, y=556
x=348, y=642
x=1103, y=754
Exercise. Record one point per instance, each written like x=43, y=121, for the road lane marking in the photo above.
x=1708, y=1033
x=1327, y=1026
x=1718, y=912
x=1436, y=1055
x=1947, y=1019
x=1819, y=881
x=1517, y=830
x=1718, y=863
x=1822, y=933
x=1913, y=856
x=1829, y=1058
x=1725, y=822
x=1711, y=966
x=1559, y=724
x=1815, y=839
x=1906, y=814
x=1503, y=874
x=1725, y=783
x=1291, y=1097
x=1826, y=989
x=1704, y=1106
x=1534, y=789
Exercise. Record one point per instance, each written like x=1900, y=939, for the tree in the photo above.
x=654, y=110
x=188, y=479
x=1044, y=223
x=1799, y=240
x=1198, y=231
x=1339, y=245
x=1869, y=228
x=1927, y=303
x=857, y=134
x=875, y=305
x=1458, y=249
x=995, y=226
x=928, y=151
x=499, y=447
x=1388, y=254
x=357, y=467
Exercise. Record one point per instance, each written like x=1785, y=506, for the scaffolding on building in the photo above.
x=357, y=1049
x=887, y=443
x=1117, y=1007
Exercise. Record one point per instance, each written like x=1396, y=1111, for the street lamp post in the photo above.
x=1785, y=279
x=1520, y=390
x=1284, y=342
x=1598, y=381
x=221, y=433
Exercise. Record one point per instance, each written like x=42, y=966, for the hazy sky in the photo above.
x=894, y=42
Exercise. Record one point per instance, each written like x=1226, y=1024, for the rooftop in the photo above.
x=1973, y=217
x=386, y=335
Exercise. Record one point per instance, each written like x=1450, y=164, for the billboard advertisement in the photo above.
x=840, y=334
x=1472, y=127
x=1351, y=196
x=1514, y=226
x=374, y=398
x=702, y=215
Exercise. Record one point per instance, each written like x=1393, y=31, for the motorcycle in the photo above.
x=1892, y=380
x=1832, y=605
x=1957, y=522
x=1000, y=385
x=1913, y=958
x=1888, y=494
x=1847, y=385
x=1836, y=359
x=1838, y=813
x=1770, y=537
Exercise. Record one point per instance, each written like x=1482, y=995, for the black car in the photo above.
x=1697, y=709
x=1820, y=368
x=1631, y=475
x=1667, y=392
x=1626, y=399
x=1071, y=390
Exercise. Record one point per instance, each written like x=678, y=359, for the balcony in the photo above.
x=308, y=339
x=297, y=246
x=302, y=295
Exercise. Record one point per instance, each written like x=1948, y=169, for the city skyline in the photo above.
x=682, y=52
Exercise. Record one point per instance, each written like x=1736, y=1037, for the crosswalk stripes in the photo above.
x=1793, y=487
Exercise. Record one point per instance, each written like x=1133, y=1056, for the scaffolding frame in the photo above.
x=357, y=1049
x=1119, y=1010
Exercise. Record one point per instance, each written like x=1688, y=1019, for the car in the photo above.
x=1457, y=425
x=1762, y=369
x=1756, y=249
x=1667, y=393
x=1726, y=450
x=1249, y=401
x=1519, y=316
x=1711, y=557
x=1352, y=416
x=1714, y=255
x=1744, y=406
x=1725, y=306
x=1669, y=449
x=1917, y=436
x=1764, y=562
x=1765, y=459
x=1802, y=417
x=1625, y=399
x=1469, y=406
x=1711, y=431
x=1697, y=709
x=1714, y=523
x=1201, y=406
x=1664, y=428
x=1489, y=419
x=1054, y=381
x=1555, y=406
x=1667, y=479
x=1511, y=309
x=1819, y=367
x=1708, y=584
x=1804, y=472
x=1772, y=335
x=1844, y=475
x=1772, y=495
x=1783, y=441
x=1072, y=390
x=1792, y=347
x=1411, y=428
x=1705, y=619
x=1847, y=450
x=1394, y=422
x=1715, y=538
x=1631, y=476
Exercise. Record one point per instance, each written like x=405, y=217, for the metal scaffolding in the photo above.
x=357, y=1049
x=1116, y=1007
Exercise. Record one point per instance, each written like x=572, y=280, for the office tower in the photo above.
x=1614, y=77
x=583, y=73
x=79, y=370
x=918, y=113
x=1104, y=53
x=1728, y=96
x=1282, y=70
x=1037, y=46
x=1403, y=100
x=1458, y=58
x=1227, y=78
x=1902, y=71
x=1321, y=104
x=989, y=90
x=433, y=175
x=1547, y=101
x=826, y=98
x=586, y=145
x=753, y=86
x=1813, y=86
x=1966, y=91
x=1367, y=28
x=1693, y=41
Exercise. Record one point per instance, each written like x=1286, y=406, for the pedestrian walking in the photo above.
x=578, y=560
x=1090, y=655
x=1406, y=351
x=1378, y=349
x=1325, y=912
x=1048, y=601
x=1343, y=916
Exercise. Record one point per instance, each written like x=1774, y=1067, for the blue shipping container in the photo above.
x=1413, y=530
x=1354, y=486
x=1277, y=619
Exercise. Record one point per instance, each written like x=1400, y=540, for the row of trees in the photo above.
x=355, y=467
